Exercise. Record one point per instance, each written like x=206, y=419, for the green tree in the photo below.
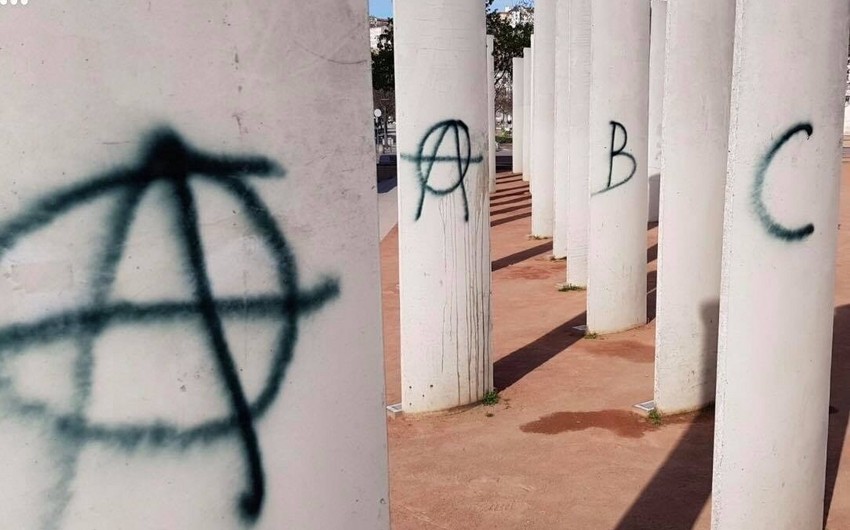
x=383, y=68
x=383, y=77
x=509, y=41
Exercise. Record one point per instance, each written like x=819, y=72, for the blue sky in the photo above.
x=384, y=8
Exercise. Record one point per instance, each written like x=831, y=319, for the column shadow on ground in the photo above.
x=510, y=209
x=652, y=253
x=651, y=295
x=515, y=200
x=839, y=400
x=509, y=185
x=511, y=177
x=679, y=490
x=510, y=192
x=677, y=493
x=510, y=219
x=516, y=365
x=522, y=255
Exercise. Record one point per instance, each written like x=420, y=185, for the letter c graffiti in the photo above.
x=774, y=227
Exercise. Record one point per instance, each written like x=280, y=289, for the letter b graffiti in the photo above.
x=618, y=149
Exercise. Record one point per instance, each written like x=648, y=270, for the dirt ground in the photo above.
x=564, y=449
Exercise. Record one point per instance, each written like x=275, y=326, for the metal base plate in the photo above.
x=646, y=406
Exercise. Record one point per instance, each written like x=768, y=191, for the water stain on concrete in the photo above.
x=629, y=350
x=526, y=272
x=620, y=422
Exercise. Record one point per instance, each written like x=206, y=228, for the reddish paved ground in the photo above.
x=563, y=449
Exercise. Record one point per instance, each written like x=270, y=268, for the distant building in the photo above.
x=376, y=28
x=375, y=22
x=374, y=34
x=517, y=15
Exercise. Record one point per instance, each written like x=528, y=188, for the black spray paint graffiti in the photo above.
x=461, y=157
x=615, y=152
x=773, y=226
x=166, y=161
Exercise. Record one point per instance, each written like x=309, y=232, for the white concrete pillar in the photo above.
x=444, y=225
x=190, y=329
x=491, y=115
x=531, y=126
x=543, y=147
x=616, y=298
x=847, y=115
x=561, y=130
x=779, y=249
x=518, y=98
x=657, y=39
x=579, y=143
x=526, y=112
x=696, y=132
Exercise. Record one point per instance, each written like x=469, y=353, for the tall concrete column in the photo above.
x=616, y=298
x=579, y=143
x=526, y=112
x=190, y=328
x=561, y=130
x=779, y=249
x=444, y=225
x=657, y=39
x=531, y=127
x=518, y=99
x=491, y=115
x=696, y=132
x=543, y=147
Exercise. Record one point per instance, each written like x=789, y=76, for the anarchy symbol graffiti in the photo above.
x=166, y=161
x=459, y=156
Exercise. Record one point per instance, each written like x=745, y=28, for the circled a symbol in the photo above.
x=430, y=154
x=167, y=162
